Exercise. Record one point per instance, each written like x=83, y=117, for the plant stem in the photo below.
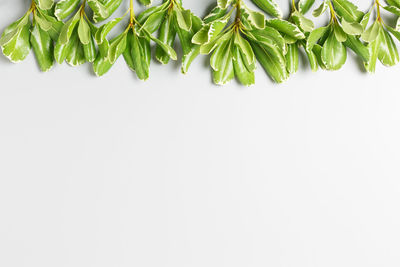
x=333, y=13
x=294, y=5
x=378, y=11
x=132, y=13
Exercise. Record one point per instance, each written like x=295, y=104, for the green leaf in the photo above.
x=167, y=35
x=270, y=7
x=334, y=53
x=286, y=27
x=321, y=9
x=304, y=23
x=42, y=45
x=100, y=11
x=373, y=47
x=117, y=47
x=84, y=32
x=372, y=32
x=75, y=56
x=223, y=66
x=153, y=22
x=256, y=19
x=305, y=5
x=243, y=74
x=183, y=18
x=145, y=2
x=210, y=31
x=358, y=47
x=44, y=24
x=68, y=29
x=388, y=54
x=270, y=37
x=365, y=19
x=137, y=55
x=223, y=3
x=352, y=28
x=348, y=10
x=292, y=58
x=15, y=41
x=189, y=58
x=89, y=50
x=215, y=14
x=64, y=8
x=102, y=65
x=315, y=35
x=245, y=49
x=312, y=58
x=395, y=3
x=104, y=30
x=272, y=61
x=393, y=9
x=340, y=35
x=45, y=4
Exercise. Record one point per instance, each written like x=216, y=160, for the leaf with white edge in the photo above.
x=167, y=35
x=347, y=10
x=365, y=20
x=305, y=5
x=393, y=9
x=210, y=31
x=256, y=19
x=358, y=47
x=45, y=4
x=64, y=8
x=395, y=3
x=224, y=64
x=292, y=58
x=184, y=19
x=103, y=31
x=168, y=49
x=394, y=32
x=351, y=28
x=304, y=23
x=372, y=32
x=224, y=3
x=286, y=27
x=272, y=62
x=269, y=6
x=242, y=72
x=84, y=31
x=321, y=9
x=68, y=29
x=100, y=11
x=75, y=56
x=388, y=54
x=334, y=53
x=153, y=22
x=117, y=47
x=314, y=36
x=215, y=14
x=245, y=48
x=42, y=45
x=340, y=35
x=18, y=46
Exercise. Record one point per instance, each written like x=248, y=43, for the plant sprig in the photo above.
x=237, y=38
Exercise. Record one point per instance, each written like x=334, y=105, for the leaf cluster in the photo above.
x=236, y=37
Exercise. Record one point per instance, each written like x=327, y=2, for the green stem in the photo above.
x=294, y=5
x=132, y=13
x=378, y=11
x=333, y=13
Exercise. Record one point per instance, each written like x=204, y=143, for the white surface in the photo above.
x=177, y=172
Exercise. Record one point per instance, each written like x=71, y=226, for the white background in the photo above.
x=178, y=172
